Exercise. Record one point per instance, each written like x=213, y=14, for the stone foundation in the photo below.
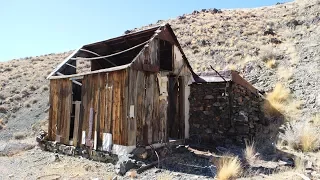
x=223, y=110
x=84, y=152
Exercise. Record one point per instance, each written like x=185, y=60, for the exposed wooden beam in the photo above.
x=94, y=53
x=76, y=82
x=71, y=65
x=61, y=76
x=102, y=57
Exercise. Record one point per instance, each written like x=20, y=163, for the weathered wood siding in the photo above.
x=60, y=110
x=148, y=60
x=145, y=125
x=106, y=93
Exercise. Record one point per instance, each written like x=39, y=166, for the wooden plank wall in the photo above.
x=146, y=126
x=60, y=110
x=106, y=94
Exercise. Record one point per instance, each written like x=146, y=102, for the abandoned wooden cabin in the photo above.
x=141, y=90
x=135, y=94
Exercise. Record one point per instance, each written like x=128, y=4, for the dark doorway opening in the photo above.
x=76, y=97
x=175, y=108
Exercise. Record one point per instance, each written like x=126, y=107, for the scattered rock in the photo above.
x=140, y=152
x=56, y=158
x=275, y=41
x=269, y=32
x=124, y=164
x=195, y=12
x=128, y=31
x=182, y=17
x=293, y=23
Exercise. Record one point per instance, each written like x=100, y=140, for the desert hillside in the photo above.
x=266, y=45
x=276, y=47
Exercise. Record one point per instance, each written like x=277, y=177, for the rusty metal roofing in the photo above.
x=225, y=76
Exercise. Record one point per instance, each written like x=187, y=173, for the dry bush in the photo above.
x=33, y=88
x=229, y=167
x=25, y=92
x=2, y=97
x=284, y=73
x=3, y=109
x=267, y=53
x=40, y=125
x=301, y=136
x=27, y=104
x=19, y=135
x=44, y=88
x=17, y=97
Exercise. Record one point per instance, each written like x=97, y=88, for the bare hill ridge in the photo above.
x=266, y=45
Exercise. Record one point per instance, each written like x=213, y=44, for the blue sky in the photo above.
x=36, y=27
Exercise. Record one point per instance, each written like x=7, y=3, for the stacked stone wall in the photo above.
x=220, y=111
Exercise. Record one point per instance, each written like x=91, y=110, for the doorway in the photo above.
x=176, y=107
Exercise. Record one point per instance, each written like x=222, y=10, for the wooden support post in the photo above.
x=88, y=140
x=76, y=123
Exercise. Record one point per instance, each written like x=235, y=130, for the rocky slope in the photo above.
x=266, y=45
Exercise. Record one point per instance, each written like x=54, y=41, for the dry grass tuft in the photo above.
x=249, y=152
x=229, y=167
x=231, y=67
x=276, y=101
x=271, y=63
x=132, y=174
x=316, y=119
x=281, y=102
x=2, y=124
x=299, y=164
x=165, y=177
x=301, y=136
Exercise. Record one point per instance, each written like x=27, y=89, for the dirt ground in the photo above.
x=25, y=160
